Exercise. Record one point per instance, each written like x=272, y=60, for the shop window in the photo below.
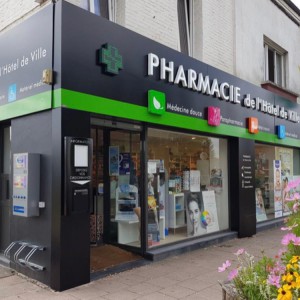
x=275, y=167
x=187, y=186
x=185, y=21
x=275, y=59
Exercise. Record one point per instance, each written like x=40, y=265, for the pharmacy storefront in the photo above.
x=131, y=144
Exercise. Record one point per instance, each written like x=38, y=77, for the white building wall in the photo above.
x=120, y=9
x=197, y=31
x=154, y=19
x=14, y=11
x=218, y=33
x=254, y=19
x=227, y=34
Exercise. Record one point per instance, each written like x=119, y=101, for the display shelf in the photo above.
x=128, y=231
x=128, y=223
x=126, y=201
x=178, y=163
x=176, y=215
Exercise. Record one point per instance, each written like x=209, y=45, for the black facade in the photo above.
x=81, y=90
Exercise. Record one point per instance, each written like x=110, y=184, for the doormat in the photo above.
x=107, y=256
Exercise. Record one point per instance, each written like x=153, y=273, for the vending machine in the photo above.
x=26, y=184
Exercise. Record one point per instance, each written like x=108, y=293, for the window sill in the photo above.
x=274, y=88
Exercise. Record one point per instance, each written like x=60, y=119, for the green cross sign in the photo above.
x=111, y=58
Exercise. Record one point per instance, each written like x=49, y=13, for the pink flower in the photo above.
x=289, y=199
x=289, y=227
x=293, y=197
x=295, y=207
x=277, y=269
x=239, y=252
x=233, y=274
x=281, y=252
x=293, y=184
x=285, y=228
x=296, y=195
x=225, y=266
x=296, y=241
x=274, y=280
x=290, y=237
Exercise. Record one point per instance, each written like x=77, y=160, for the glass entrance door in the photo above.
x=125, y=187
x=115, y=206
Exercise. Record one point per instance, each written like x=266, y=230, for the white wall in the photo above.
x=154, y=19
x=255, y=18
x=213, y=27
x=14, y=11
x=218, y=33
x=228, y=34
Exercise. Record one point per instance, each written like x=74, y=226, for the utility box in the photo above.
x=26, y=184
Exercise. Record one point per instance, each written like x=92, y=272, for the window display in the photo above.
x=124, y=191
x=194, y=208
x=209, y=216
x=260, y=205
x=193, y=199
x=275, y=167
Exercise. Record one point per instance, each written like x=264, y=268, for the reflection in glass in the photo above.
x=193, y=199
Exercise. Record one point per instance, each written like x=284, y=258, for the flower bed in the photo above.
x=229, y=291
x=268, y=278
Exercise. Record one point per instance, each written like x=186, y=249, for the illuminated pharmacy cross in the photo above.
x=111, y=58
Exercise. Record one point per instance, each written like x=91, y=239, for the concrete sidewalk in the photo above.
x=188, y=276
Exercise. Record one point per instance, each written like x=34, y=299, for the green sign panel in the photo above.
x=156, y=102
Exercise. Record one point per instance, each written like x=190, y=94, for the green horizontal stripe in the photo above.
x=95, y=104
x=26, y=106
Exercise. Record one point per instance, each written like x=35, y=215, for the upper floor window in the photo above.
x=99, y=7
x=275, y=61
